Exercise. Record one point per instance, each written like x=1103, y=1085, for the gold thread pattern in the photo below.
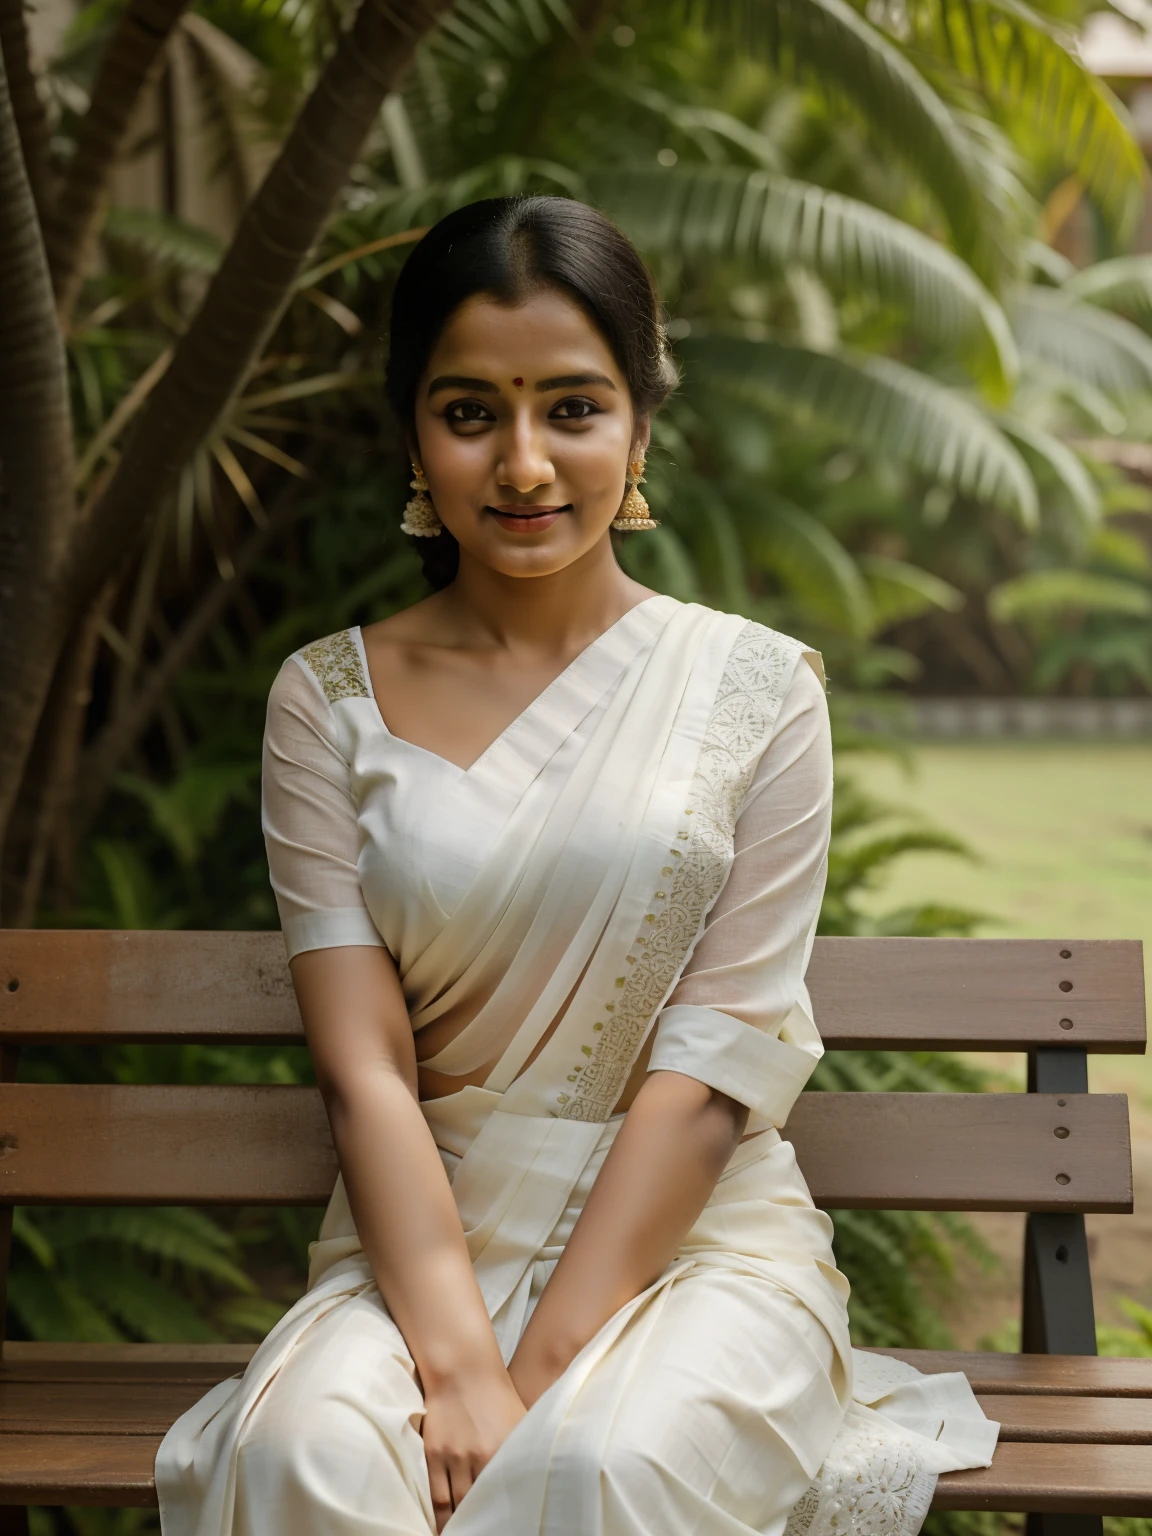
x=335, y=663
x=739, y=727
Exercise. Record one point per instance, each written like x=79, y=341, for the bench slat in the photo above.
x=989, y=1372
x=1070, y=1420
x=1059, y=1375
x=76, y=1144
x=79, y=1469
x=868, y=993
x=148, y=1406
x=1062, y=1478
x=1059, y=1479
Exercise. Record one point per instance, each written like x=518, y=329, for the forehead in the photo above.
x=526, y=338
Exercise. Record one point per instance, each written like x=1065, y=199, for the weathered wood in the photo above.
x=1060, y=1375
x=868, y=993
x=1061, y=1479
x=1071, y=1420
x=78, y=1144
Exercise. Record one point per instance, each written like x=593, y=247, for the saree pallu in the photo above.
x=726, y=1398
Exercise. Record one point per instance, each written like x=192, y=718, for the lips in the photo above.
x=520, y=519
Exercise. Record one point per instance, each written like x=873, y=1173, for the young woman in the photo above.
x=549, y=850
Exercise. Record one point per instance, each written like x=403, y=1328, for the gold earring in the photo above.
x=420, y=516
x=634, y=513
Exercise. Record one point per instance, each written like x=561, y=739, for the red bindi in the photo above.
x=519, y=383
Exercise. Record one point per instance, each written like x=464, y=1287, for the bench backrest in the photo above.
x=1058, y=1151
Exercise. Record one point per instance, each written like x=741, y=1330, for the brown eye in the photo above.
x=575, y=410
x=467, y=411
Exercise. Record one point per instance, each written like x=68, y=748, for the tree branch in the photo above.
x=27, y=103
x=254, y=284
x=130, y=60
x=37, y=504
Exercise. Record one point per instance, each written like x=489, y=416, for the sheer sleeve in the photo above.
x=740, y=1018
x=311, y=831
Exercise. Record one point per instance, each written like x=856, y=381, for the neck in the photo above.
x=554, y=612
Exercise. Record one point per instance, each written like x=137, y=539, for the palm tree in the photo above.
x=890, y=335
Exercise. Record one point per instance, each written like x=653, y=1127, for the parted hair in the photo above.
x=510, y=248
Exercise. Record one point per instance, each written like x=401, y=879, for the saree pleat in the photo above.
x=726, y=1398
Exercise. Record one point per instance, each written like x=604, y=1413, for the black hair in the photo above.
x=510, y=248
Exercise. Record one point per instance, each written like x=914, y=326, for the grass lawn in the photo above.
x=1061, y=834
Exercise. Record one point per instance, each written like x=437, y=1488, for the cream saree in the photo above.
x=555, y=892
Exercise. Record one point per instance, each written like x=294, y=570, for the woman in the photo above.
x=549, y=850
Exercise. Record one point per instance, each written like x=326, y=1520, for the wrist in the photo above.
x=450, y=1361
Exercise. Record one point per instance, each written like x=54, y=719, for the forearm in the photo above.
x=410, y=1228
x=659, y=1174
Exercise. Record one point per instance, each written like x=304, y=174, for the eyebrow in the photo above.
x=486, y=386
x=460, y=381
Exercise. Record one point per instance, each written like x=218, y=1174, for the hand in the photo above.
x=466, y=1420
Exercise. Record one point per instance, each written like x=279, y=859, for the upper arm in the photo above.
x=351, y=1002
x=751, y=958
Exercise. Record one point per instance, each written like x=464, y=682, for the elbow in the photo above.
x=714, y=1120
x=365, y=1091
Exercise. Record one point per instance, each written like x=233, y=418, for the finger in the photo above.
x=440, y=1488
x=460, y=1472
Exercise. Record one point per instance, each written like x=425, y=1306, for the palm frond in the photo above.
x=761, y=217
x=827, y=44
x=881, y=404
x=1123, y=285
x=813, y=564
x=477, y=29
x=900, y=590
x=1041, y=596
x=1048, y=457
x=1082, y=340
x=1024, y=62
x=166, y=239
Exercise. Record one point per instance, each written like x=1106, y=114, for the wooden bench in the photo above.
x=79, y=1424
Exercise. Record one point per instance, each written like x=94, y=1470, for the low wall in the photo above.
x=969, y=718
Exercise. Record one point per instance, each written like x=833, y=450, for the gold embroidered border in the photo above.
x=740, y=723
x=336, y=665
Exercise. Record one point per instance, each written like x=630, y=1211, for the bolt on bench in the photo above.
x=80, y=1424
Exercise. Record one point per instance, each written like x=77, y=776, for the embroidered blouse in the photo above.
x=374, y=840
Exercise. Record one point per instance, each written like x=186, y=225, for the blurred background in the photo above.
x=904, y=247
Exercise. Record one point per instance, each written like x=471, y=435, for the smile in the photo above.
x=527, y=519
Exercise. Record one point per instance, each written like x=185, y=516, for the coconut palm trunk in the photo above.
x=37, y=504
x=53, y=566
x=130, y=60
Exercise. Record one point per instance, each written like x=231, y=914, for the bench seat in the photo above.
x=80, y=1424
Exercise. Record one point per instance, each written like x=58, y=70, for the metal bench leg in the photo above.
x=1058, y=1313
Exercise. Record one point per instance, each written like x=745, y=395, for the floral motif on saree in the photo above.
x=335, y=663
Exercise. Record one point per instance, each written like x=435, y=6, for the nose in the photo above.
x=524, y=462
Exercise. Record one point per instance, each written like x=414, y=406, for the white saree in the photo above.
x=641, y=854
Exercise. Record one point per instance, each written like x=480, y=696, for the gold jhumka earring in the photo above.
x=634, y=513
x=420, y=516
